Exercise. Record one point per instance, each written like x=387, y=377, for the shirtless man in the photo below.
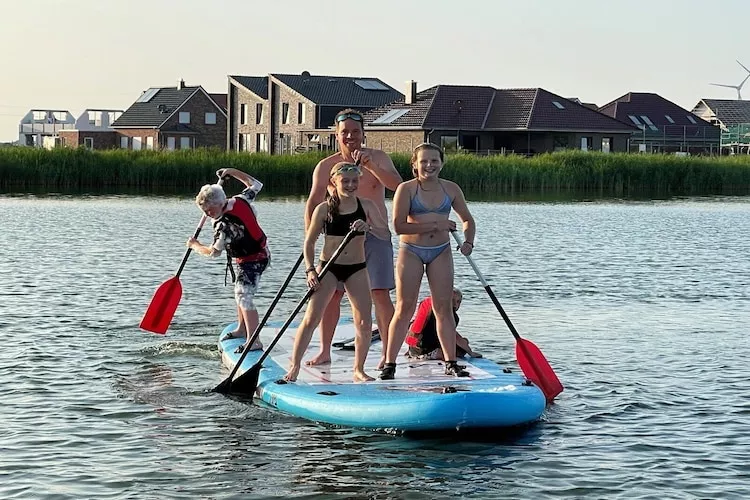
x=378, y=173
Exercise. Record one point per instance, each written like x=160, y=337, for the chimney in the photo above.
x=180, y=84
x=411, y=92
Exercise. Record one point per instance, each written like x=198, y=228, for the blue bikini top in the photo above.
x=416, y=207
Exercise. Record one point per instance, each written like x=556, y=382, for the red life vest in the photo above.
x=248, y=241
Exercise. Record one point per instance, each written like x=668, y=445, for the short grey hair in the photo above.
x=210, y=195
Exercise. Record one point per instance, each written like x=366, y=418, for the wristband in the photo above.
x=310, y=269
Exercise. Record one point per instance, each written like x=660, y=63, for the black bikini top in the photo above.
x=341, y=223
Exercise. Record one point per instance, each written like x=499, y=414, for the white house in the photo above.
x=40, y=127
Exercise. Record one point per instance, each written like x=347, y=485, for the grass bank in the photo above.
x=27, y=169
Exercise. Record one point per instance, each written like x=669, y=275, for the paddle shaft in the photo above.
x=349, y=236
x=263, y=321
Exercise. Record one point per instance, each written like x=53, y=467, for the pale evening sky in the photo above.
x=77, y=54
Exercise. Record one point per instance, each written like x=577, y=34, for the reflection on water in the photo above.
x=640, y=306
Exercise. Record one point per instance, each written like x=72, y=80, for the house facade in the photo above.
x=181, y=117
x=664, y=127
x=485, y=120
x=41, y=127
x=92, y=129
x=284, y=113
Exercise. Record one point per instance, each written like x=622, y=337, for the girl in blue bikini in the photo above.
x=420, y=216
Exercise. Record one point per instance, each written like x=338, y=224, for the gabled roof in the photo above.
x=730, y=112
x=153, y=112
x=258, y=85
x=653, y=106
x=342, y=91
x=220, y=100
x=486, y=108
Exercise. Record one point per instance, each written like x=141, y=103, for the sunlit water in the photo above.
x=641, y=307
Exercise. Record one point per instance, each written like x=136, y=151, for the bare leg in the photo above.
x=409, y=272
x=381, y=299
x=358, y=290
x=240, y=330
x=313, y=315
x=250, y=319
x=327, y=329
x=440, y=277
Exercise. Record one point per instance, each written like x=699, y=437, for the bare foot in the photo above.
x=381, y=363
x=321, y=359
x=291, y=375
x=361, y=376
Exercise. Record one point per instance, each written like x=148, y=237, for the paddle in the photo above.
x=164, y=303
x=531, y=360
x=226, y=385
x=248, y=381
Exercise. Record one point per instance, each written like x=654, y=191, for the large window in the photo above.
x=124, y=142
x=587, y=143
x=171, y=143
x=137, y=141
x=185, y=117
x=184, y=142
x=449, y=142
x=149, y=142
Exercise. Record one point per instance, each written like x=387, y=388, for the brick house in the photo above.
x=282, y=113
x=92, y=129
x=181, y=117
x=664, y=127
x=488, y=120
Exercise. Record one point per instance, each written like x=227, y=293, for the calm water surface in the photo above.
x=641, y=307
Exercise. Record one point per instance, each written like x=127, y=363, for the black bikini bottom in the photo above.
x=343, y=272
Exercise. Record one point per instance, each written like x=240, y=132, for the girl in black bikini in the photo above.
x=335, y=217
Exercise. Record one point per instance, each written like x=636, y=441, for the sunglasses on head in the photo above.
x=348, y=116
x=347, y=168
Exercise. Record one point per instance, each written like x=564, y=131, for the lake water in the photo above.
x=642, y=308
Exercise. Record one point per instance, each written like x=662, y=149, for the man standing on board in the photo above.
x=378, y=173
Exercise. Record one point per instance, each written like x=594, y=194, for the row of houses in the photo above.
x=287, y=113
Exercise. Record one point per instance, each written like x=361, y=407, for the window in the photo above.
x=692, y=120
x=88, y=142
x=635, y=120
x=558, y=105
x=124, y=142
x=210, y=118
x=259, y=113
x=669, y=118
x=650, y=124
x=449, y=142
x=61, y=116
x=95, y=118
x=285, y=112
x=606, y=144
x=150, y=142
x=40, y=115
x=587, y=143
x=114, y=115
x=300, y=112
x=261, y=143
x=243, y=114
x=560, y=143
x=137, y=143
x=184, y=142
x=171, y=143
x=184, y=117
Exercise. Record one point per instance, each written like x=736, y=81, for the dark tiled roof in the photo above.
x=258, y=85
x=220, y=100
x=547, y=115
x=486, y=108
x=730, y=112
x=654, y=106
x=340, y=91
x=148, y=114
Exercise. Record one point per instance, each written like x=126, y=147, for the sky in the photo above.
x=78, y=54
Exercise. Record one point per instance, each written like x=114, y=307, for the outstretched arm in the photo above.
x=247, y=179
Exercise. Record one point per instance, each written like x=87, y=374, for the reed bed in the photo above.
x=25, y=169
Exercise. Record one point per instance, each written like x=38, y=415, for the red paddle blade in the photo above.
x=162, y=307
x=536, y=368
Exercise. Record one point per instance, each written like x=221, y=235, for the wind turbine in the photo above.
x=738, y=87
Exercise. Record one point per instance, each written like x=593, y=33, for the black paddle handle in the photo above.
x=488, y=290
x=262, y=323
x=195, y=236
x=349, y=236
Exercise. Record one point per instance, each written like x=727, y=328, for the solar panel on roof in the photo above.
x=370, y=85
x=147, y=95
